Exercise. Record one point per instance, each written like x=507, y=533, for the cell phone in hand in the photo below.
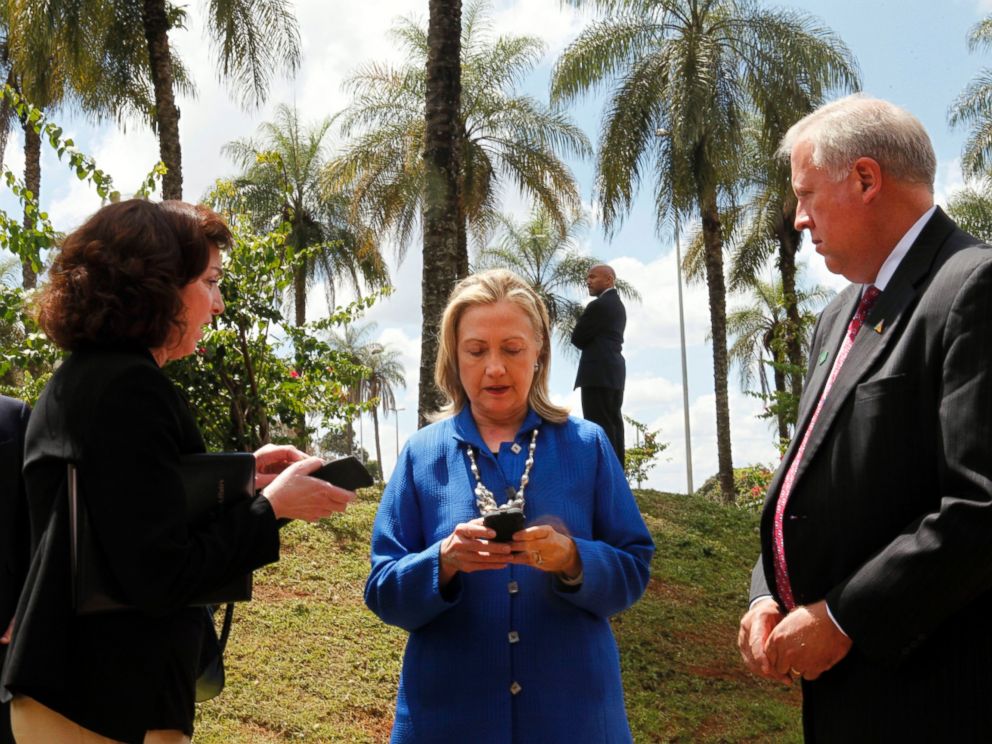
x=345, y=472
x=505, y=523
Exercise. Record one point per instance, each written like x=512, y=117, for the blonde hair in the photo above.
x=857, y=126
x=488, y=288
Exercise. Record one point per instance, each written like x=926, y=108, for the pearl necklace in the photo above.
x=484, y=498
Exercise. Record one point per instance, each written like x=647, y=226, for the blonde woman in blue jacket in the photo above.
x=510, y=642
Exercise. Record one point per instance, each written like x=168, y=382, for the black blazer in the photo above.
x=14, y=529
x=116, y=415
x=890, y=517
x=599, y=334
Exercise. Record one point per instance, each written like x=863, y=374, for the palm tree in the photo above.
x=759, y=331
x=692, y=70
x=974, y=108
x=547, y=258
x=280, y=182
x=252, y=38
x=386, y=373
x=499, y=136
x=971, y=208
x=85, y=63
x=355, y=344
x=444, y=260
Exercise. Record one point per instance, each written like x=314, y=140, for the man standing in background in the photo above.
x=15, y=533
x=602, y=371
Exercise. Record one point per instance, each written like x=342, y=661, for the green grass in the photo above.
x=307, y=662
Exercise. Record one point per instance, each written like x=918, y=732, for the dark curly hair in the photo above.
x=117, y=278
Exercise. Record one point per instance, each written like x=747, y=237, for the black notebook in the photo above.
x=213, y=482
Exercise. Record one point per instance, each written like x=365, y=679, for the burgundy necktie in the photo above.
x=778, y=548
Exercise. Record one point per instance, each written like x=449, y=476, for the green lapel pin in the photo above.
x=823, y=357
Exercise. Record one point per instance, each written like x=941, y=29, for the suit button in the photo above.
x=513, y=587
x=513, y=636
x=515, y=688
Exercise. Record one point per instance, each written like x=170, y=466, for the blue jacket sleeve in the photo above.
x=402, y=587
x=616, y=563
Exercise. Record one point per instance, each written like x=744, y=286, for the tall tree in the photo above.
x=548, y=259
x=444, y=259
x=252, y=39
x=281, y=182
x=58, y=60
x=692, y=71
x=758, y=331
x=479, y=133
x=386, y=374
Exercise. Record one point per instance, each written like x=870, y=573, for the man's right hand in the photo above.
x=756, y=625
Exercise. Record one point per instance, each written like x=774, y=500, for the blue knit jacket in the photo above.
x=465, y=678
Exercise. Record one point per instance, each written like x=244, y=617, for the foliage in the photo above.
x=640, y=458
x=280, y=181
x=750, y=485
x=973, y=107
x=307, y=661
x=758, y=329
x=971, y=208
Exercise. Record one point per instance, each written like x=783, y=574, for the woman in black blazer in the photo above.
x=130, y=291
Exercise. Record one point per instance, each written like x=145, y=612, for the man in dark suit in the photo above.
x=15, y=532
x=602, y=371
x=875, y=578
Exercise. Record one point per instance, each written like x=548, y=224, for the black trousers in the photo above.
x=602, y=405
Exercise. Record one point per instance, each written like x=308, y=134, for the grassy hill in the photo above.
x=307, y=662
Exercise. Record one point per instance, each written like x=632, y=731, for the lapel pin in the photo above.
x=823, y=357
x=880, y=327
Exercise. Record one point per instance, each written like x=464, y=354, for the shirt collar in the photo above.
x=466, y=430
x=898, y=253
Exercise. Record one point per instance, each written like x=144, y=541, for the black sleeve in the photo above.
x=130, y=480
x=589, y=324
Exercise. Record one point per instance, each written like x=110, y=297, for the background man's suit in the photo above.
x=15, y=532
x=890, y=517
x=602, y=370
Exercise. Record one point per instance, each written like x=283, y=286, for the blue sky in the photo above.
x=910, y=51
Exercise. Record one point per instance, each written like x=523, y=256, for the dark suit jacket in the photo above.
x=121, y=421
x=890, y=517
x=15, y=547
x=599, y=334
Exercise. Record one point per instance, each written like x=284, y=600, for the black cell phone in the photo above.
x=505, y=523
x=345, y=472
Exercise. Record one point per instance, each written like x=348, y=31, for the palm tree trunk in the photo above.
x=788, y=241
x=378, y=446
x=713, y=242
x=32, y=181
x=300, y=295
x=156, y=25
x=441, y=210
x=782, y=411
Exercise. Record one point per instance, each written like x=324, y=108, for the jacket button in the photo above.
x=515, y=688
x=513, y=636
x=513, y=587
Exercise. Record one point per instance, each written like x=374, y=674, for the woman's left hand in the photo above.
x=272, y=459
x=545, y=548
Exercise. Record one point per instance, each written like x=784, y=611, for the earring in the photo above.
x=537, y=366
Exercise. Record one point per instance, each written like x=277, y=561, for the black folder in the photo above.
x=212, y=482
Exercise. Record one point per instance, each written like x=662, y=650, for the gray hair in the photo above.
x=857, y=126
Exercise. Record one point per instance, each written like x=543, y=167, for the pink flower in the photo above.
x=294, y=374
